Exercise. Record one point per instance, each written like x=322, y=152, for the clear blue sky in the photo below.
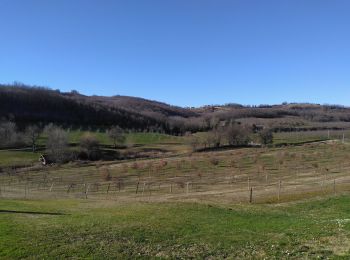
x=183, y=52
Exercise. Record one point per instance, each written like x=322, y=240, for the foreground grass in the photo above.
x=319, y=228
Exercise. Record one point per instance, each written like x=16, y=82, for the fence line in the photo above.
x=138, y=189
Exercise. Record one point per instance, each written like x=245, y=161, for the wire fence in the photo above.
x=236, y=188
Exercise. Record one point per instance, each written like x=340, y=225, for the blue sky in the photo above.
x=183, y=52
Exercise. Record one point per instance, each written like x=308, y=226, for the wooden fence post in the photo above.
x=109, y=185
x=87, y=191
x=143, y=188
x=279, y=189
x=251, y=195
x=149, y=190
x=334, y=187
x=171, y=188
x=51, y=187
x=25, y=191
x=137, y=187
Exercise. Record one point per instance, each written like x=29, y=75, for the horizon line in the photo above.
x=261, y=105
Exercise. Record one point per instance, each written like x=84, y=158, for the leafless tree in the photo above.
x=214, y=137
x=116, y=134
x=8, y=134
x=193, y=141
x=237, y=134
x=32, y=133
x=266, y=136
x=90, y=145
x=57, y=143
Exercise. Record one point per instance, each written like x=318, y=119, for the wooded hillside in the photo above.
x=27, y=105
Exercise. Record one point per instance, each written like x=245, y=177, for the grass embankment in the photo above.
x=72, y=228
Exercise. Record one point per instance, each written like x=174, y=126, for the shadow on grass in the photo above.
x=300, y=143
x=225, y=147
x=32, y=212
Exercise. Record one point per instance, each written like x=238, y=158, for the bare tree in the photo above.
x=214, y=137
x=266, y=136
x=32, y=133
x=48, y=128
x=8, y=134
x=90, y=146
x=193, y=141
x=237, y=134
x=116, y=134
x=57, y=143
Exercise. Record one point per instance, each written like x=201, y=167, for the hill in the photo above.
x=27, y=105
x=143, y=106
x=283, y=117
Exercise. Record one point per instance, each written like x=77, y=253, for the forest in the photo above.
x=39, y=105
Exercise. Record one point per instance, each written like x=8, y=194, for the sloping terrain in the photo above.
x=28, y=105
x=38, y=105
x=144, y=106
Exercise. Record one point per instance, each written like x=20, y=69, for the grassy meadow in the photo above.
x=316, y=229
x=289, y=201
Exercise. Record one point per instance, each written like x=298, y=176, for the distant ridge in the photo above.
x=26, y=105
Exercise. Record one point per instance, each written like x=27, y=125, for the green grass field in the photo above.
x=139, y=142
x=13, y=157
x=46, y=212
x=108, y=230
x=131, y=138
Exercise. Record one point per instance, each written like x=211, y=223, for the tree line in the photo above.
x=232, y=134
x=26, y=105
x=56, y=147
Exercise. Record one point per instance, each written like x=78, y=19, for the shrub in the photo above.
x=105, y=174
x=237, y=134
x=116, y=134
x=214, y=161
x=135, y=166
x=266, y=137
x=163, y=163
x=89, y=145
